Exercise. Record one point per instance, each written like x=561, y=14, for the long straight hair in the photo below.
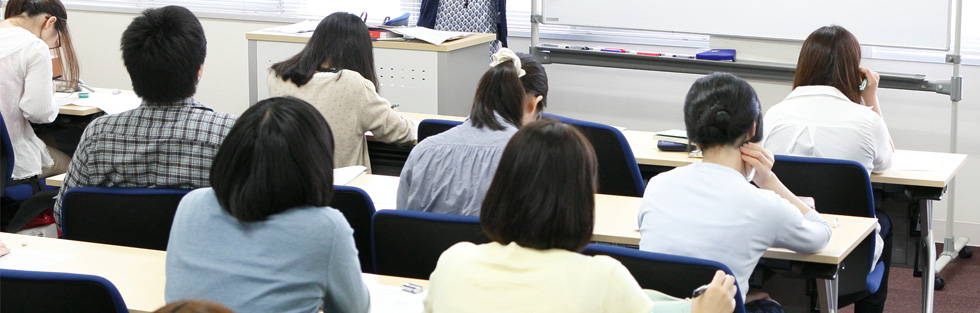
x=66, y=53
x=831, y=56
x=342, y=41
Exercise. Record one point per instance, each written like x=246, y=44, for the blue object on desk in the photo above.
x=664, y=145
x=716, y=54
x=401, y=20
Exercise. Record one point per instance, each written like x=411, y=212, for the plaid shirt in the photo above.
x=157, y=145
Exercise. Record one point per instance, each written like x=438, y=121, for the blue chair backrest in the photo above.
x=29, y=291
x=840, y=187
x=618, y=172
x=674, y=275
x=429, y=127
x=409, y=243
x=358, y=209
x=134, y=217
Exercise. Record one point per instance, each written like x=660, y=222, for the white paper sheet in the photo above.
x=104, y=100
x=436, y=37
x=344, y=175
x=391, y=299
x=25, y=259
x=383, y=191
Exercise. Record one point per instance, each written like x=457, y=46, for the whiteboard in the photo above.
x=898, y=23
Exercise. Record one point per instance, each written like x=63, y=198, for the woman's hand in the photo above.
x=761, y=160
x=870, y=92
x=720, y=296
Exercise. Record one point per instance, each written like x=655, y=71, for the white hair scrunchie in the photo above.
x=504, y=55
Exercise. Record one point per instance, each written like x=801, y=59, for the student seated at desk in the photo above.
x=450, y=172
x=261, y=240
x=335, y=73
x=539, y=212
x=833, y=113
x=710, y=210
x=170, y=139
x=29, y=30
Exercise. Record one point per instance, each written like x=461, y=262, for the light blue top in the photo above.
x=291, y=262
x=709, y=211
x=450, y=172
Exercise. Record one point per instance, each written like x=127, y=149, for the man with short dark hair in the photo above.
x=169, y=141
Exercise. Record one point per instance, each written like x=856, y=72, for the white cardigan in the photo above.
x=352, y=107
x=26, y=95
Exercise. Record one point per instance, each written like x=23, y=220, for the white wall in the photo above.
x=635, y=99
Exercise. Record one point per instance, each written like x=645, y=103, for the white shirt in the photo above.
x=819, y=121
x=709, y=211
x=495, y=278
x=26, y=95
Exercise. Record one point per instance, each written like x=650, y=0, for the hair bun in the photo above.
x=722, y=119
x=504, y=55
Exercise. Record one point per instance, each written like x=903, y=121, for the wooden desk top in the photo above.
x=71, y=109
x=909, y=168
x=468, y=41
x=616, y=222
x=55, y=181
x=137, y=273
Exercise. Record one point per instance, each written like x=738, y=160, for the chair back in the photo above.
x=429, y=127
x=134, y=217
x=30, y=291
x=674, y=275
x=840, y=187
x=409, y=243
x=357, y=207
x=618, y=172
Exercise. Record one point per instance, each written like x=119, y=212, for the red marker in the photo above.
x=650, y=53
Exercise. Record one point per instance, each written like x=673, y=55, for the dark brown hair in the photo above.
x=831, y=56
x=342, y=41
x=721, y=108
x=500, y=90
x=66, y=53
x=543, y=194
x=277, y=156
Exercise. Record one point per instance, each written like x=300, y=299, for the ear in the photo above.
x=532, y=104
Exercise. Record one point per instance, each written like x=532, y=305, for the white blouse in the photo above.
x=819, y=121
x=26, y=95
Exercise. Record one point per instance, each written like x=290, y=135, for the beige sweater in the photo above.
x=351, y=106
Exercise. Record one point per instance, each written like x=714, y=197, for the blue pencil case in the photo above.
x=716, y=54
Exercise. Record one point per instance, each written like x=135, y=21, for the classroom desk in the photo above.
x=419, y=76
x=139, y=273
x=616, y=222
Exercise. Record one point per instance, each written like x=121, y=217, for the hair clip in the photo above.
x=504, y=55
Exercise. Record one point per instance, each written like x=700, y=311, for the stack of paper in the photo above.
x=436, y=37
x=298, y=28
x=104, y=100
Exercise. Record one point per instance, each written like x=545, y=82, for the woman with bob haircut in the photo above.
x=833, y=112
x=450, y=172
x=261, y=240
x=335, y=73
x=539, y=212
x=711, y=210
x=30, y=29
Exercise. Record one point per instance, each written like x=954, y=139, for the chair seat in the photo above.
x=18, y=192
x=874, y=278
x=885, y=221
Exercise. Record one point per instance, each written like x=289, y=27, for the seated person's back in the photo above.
x=709, y=210
x=335, y=73
x=261, y=240
x=831, y=113
x=170, y=139
x=450, y=172
x=539, y=211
